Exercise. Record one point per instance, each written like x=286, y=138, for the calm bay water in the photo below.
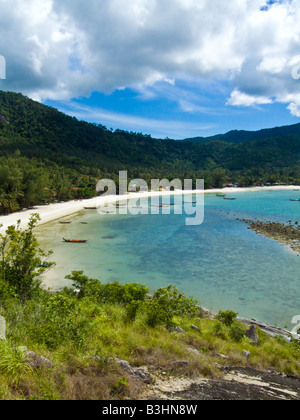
x=221, y=263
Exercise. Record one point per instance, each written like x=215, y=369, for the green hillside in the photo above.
x=242, y=136
x=48, y=155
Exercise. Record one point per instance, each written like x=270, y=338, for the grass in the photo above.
x=82, y=337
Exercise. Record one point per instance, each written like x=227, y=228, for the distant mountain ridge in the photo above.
x=242, y=136
x=43, y=133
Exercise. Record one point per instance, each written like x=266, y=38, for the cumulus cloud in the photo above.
x=61, y=49
x=242, y=99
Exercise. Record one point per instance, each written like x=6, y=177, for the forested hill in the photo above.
x=242, y=136
x=69, y=153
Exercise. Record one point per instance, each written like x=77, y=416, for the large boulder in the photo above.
x=252, y=335
x=140, y=373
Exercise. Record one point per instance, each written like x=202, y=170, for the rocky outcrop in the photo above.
x=140, y=373
x=36, y=361
x=238, y=383
x=286, y=234
x=267, y=329
x=252, y=335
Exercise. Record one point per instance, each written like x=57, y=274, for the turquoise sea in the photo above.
x=220, y=262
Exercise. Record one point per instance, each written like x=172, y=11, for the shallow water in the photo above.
x=220, y=262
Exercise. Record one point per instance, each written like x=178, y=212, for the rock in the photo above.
x=196, y=328
x=195, y=351
x=247, y=354
x=140, y=373
x=36, y=361
x=252, y=335
x=2, y=328
x=181, y=363
x=237, y=384
x=143, y=374
x=123, y=364
x=222, y=356
x=39, y=362
x=267, y=329
x=205, y=313
x=176, y=329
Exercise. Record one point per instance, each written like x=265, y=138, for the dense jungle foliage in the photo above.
x=48, y=156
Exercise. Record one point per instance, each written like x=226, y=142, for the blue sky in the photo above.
x=169, y=68
x=162, y=117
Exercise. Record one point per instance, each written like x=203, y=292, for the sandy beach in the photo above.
x=56, y=211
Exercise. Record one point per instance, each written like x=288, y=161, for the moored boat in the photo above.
x=75, y=241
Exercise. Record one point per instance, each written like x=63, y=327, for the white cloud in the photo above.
x=295, y=109
x=61, y=49
x=159, y=128
x=242, y=99
x=273, y=65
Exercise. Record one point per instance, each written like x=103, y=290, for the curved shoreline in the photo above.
x=60, y=210
x=56, y=211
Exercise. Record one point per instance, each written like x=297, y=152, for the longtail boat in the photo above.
x=75, y=241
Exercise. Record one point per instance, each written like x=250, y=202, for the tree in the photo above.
x=219, y=177
x=22, y=260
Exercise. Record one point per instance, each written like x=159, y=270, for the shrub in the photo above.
x=227, y=318
x=107, y=293
x=60, y=319
x=22, y=260
x=132, y=309
x=166, y=303
x=219, y=330
x=13, y=362
x=236, y=333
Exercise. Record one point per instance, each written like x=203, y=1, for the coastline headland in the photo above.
x=286, y=234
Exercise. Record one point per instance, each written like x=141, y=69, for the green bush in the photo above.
x=60, y=319
x=219, y=330
x=166, y=303
x=227, y=318
x=114, y=293
x=132, y=309
x=22, y=261
x=236, y=333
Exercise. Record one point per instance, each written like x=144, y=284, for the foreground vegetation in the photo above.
x=85, y=329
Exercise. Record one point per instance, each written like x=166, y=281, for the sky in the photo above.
x=168, y=68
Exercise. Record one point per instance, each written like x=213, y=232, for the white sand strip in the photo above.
x=60, y=210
